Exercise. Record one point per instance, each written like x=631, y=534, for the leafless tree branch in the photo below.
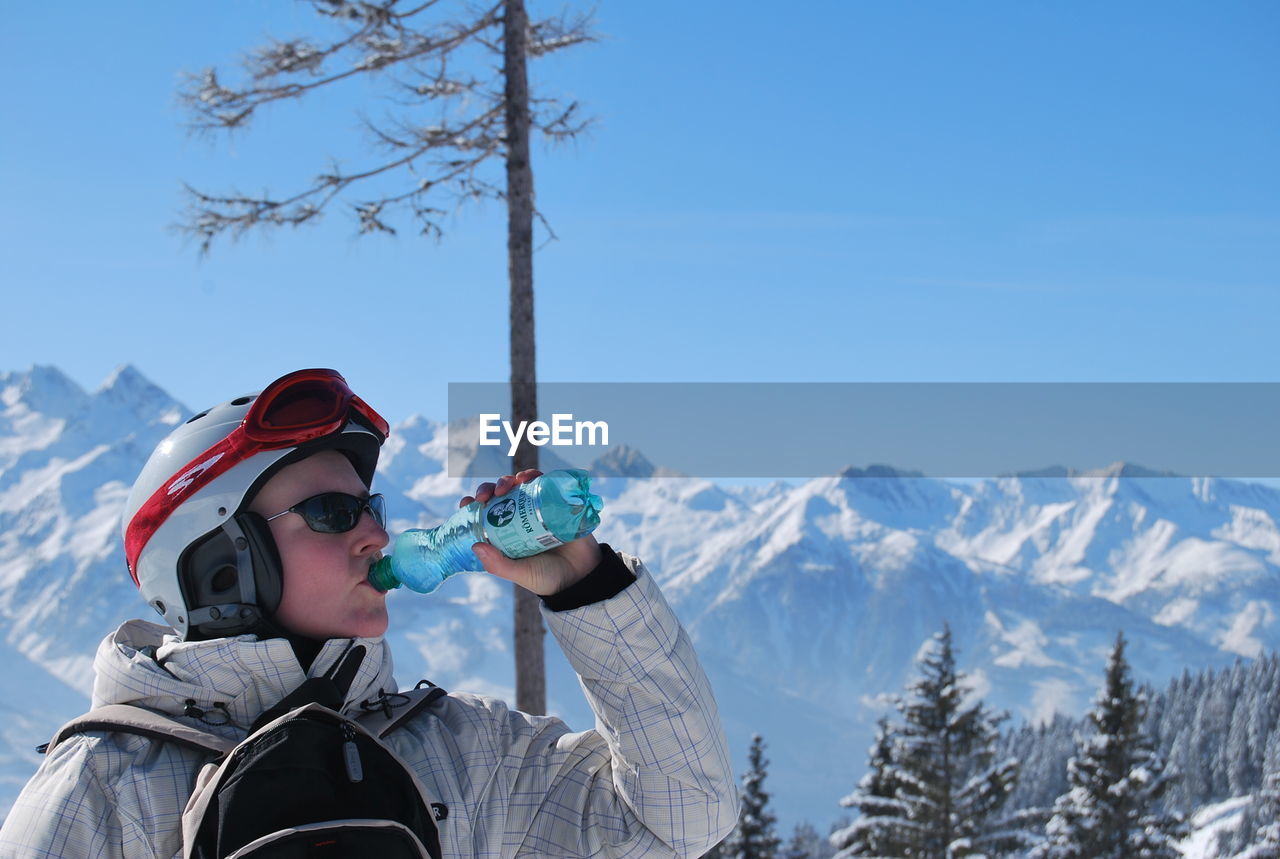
x=378, y=46
x=554, y=34
x=442, y=158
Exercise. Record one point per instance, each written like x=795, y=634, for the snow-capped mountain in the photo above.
x=807, y=602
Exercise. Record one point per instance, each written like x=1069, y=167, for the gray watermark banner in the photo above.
x=918, y=429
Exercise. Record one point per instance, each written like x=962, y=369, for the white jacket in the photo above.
x=651, y=779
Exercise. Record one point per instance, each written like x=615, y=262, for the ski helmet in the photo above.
x=200, y=558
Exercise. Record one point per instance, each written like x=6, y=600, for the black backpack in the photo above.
x=306, y=782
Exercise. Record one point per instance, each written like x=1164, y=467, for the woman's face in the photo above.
x=326, y=589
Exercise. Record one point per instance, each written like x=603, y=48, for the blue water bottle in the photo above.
x=548, y=511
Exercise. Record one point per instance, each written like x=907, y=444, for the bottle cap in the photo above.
x=381, y=575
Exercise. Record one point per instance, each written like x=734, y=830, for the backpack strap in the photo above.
x=384, y=720
x=328, y=691
x=128, y=719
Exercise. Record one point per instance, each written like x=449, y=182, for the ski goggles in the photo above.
x=301, y=407
x=297, y=408
x=337, y=512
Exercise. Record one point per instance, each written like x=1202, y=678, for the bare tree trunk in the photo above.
x=531, y=684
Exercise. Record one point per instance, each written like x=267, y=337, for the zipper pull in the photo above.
x=351, y=755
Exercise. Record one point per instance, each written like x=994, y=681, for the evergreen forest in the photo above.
x=946, y=777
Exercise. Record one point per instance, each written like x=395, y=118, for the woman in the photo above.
x=251, y=530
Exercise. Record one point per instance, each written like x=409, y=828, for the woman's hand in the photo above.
x=546, y=573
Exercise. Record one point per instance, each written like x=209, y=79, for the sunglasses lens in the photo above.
x=378, y=507
x=337, y=512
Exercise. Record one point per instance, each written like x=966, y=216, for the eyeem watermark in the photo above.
x=931, y=429
x=563, y=431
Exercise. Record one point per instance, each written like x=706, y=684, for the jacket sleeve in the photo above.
x=654, y=776
x=65, y=810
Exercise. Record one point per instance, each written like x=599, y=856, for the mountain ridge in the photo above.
x=807, y=602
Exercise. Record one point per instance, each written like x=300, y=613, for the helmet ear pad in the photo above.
x=268, y=572
x=231, y=579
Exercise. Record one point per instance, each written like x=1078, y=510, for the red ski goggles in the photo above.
x=303, y=406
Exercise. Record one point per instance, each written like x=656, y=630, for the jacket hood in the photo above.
x=144, y=664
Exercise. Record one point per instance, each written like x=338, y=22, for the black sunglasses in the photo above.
x=337, y=512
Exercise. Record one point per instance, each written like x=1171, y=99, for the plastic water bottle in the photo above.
x=548, y=511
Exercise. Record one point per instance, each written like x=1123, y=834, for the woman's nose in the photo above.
x=372, y=534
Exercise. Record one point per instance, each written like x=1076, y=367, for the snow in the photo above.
x=1208, y=823
x=1240, y=637
x=1049, y=697
x=30, y=431
x=979, y=687
x=807, y=602
x=1252, y=528
x=1177, y=611
x=1026, y=641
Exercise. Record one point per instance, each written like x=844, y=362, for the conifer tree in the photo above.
x=948, y=775
x=1258, y=836
x=720, y=851
x=874, y=833
x=806, y=843
x=947, y=787
x=754, y=837
x=1042, y=752
x=1267, y=845
x=1263, y=818
x=1116, y=779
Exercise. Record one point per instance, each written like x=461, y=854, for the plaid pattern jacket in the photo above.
x=652, y=778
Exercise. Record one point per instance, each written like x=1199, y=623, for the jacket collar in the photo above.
x=144, y=664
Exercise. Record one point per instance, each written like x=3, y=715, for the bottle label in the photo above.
x=513, y=526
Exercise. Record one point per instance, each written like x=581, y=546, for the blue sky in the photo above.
x=834, y=191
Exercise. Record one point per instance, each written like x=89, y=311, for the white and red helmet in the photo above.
x=199, y=557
